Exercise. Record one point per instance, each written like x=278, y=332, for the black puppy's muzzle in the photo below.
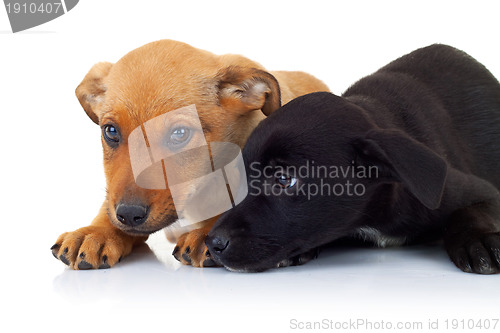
x=218, y=245
x=242, y=252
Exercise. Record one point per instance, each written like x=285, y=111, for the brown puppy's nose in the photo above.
x=131, y=215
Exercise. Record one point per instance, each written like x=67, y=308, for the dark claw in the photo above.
x=208, y=263
x=84, y=265
x=485, y=265
x=63, y=258
x=492, y=243
x=55, y=249
x=186, y=256
x=495, y=253
x=462, y=261
x=466, y=267
x=104, y=264
x=316, y=253
x=174, y=253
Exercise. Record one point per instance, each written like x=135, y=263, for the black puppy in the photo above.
x=407, y=154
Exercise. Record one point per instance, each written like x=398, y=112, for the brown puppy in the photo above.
x=232, y=95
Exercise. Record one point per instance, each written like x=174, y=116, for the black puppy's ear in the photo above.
x=421, y=170
x=244, y=89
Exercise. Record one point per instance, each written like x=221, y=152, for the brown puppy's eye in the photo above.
x=179, y=137
x=285, y=181
x=111, y=134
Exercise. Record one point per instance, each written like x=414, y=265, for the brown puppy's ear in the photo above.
x=420, y=169
x=244, y=89
x=91, y=90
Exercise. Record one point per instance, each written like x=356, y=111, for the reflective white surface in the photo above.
x=415, y=284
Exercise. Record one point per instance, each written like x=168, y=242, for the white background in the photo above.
x=52, y=177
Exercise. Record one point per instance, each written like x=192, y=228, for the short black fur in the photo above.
x=430, y=124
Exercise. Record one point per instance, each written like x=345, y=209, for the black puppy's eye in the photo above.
x=285, y=181
x=179, y=137
x=111, y=134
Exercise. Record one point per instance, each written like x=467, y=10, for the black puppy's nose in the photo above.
x=216, y=244
x=131, y=215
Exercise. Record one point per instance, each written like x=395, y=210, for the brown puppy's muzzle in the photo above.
x=136, y=210
x=138, y=218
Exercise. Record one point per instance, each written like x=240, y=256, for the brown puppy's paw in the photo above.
x=92, y=247
x=191, y=249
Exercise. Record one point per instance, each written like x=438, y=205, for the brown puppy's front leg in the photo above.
x=100, y=245
x=191, y=248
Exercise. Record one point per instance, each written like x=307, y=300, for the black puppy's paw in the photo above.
x=301, y=259
x=479, y=254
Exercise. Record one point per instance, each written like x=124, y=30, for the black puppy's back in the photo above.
x=443, y=98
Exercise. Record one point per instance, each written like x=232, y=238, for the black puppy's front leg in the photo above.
x=472, y=238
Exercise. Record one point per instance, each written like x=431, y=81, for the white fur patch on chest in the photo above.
x=381, y=240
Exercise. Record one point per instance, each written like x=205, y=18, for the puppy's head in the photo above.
x=318, y=169
x=231, y=95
